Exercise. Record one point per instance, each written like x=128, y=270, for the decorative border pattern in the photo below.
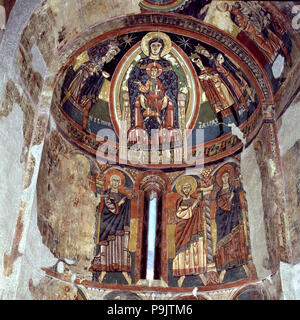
x=213, y=151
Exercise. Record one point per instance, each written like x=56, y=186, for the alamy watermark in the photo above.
x=296, y=18
x=163, y=146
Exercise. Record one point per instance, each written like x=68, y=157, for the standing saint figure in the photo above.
x=88, y=81
x=153, y=87
x=217, y=93
x=259, y=24
x=190, y=256
x=234, y=80
x=230, y=74
x=113, y=231
x=231, y=242
x=82, y=74
x=266, y=40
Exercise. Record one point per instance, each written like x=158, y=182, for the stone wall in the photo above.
x=252, y=182
x=289, y=139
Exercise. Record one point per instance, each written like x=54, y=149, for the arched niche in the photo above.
x=251, y=292
x=149, y=184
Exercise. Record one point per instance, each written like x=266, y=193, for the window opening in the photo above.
x=151, y=237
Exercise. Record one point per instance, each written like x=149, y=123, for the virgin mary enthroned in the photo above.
x=153, y=86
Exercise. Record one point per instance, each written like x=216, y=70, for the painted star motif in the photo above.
x=182, y=42
x=127, y=40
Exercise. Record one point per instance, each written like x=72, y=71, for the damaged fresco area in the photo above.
x=65, y=210
x=52, y=289
x=13, y=96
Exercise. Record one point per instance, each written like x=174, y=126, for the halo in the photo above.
x=226, y=168
x=186, y=179
x=83, y=162
x=111, y=173
x=157, y=65
x=160, y=35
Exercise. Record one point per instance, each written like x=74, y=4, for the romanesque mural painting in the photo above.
x=203, y=230
x=260, y=28
x=208, y=229
x=151, y=86
x=135, y=95
x=113, y=227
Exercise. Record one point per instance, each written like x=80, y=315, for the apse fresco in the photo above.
x=177, y=71
x=99, y=224
x=143, y=84
x=203, y=77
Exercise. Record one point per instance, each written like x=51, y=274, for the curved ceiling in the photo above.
x=217, y=65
